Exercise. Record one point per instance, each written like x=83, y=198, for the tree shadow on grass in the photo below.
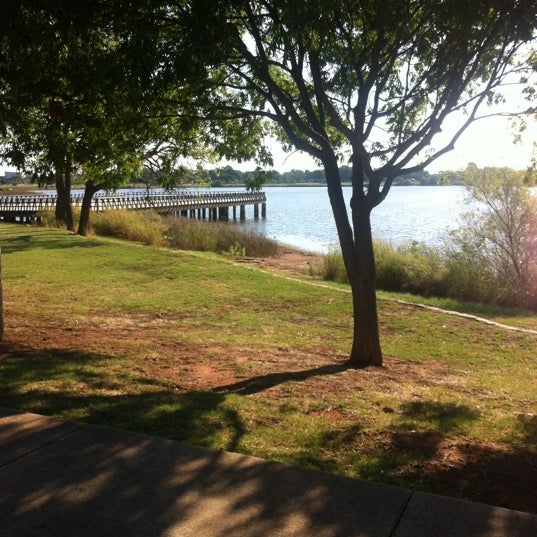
x=264, y=382
x=446, y=417
x=104, y=481
x=424, y=451
x=44, y=239
x=167, y=488
x=77, y=384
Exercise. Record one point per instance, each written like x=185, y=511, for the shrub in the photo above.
x=219, y=237
x=467, y=280
x=333, y=268
x=146, y=227
x=415, y=269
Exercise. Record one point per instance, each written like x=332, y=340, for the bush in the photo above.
x=146, y=227
x=333, y=268
x=415, y=269
x=219, y=237
x=467, y=280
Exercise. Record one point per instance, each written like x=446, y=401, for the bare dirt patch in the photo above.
x=294, y=261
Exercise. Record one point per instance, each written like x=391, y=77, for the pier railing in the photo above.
x=166, y=203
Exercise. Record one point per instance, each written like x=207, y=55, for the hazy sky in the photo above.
x=487, y=142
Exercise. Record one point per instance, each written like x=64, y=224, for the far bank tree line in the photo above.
x=226, y=176
x=229, y=176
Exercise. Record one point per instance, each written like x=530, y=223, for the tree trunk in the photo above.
x=366, y=348
x=1, y=302
x=359, y=259
x=64, y=211
x=83, y=224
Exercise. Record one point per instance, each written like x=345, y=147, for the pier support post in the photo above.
x=256, y=211
x=243, y=212
x=263, y=210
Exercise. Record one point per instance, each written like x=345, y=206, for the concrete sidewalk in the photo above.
x=60, y=478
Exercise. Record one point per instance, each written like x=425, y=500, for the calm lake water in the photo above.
x=302, y=216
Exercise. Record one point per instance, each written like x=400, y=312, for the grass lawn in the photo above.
x=196, y=348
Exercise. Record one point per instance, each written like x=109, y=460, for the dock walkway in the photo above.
x=202, y=205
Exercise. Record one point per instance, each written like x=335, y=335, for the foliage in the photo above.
x=146, y=227
x=182, y=233
x=415, y=268
x=219, y=237
x=90, y=93
x=236, y=251
x=70, y=104
x=497, y=244
x=458, y=272
x=48, y=218
x=227, y=176
x=333, y=267
x=255, y=182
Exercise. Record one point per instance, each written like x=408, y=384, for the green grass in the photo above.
x=194, y=347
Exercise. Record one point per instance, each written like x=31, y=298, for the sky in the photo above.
x=487, y=142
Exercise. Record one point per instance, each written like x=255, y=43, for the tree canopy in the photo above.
x=89, y=92
x=69, y=102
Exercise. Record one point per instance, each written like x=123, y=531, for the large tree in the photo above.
x=368, y=83
x=73, y=99
x=94, y=92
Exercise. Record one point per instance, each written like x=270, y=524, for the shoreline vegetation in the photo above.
x=245, y=356
x=414, y=268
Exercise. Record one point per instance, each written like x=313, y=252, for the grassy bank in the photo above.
x=194, y=347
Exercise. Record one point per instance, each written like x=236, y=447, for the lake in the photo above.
x=302, y=216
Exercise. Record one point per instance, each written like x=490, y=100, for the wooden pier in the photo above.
x=201, y=205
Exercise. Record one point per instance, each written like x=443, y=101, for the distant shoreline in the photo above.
x=28, y=190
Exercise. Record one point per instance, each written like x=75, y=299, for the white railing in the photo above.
x=18, y=205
